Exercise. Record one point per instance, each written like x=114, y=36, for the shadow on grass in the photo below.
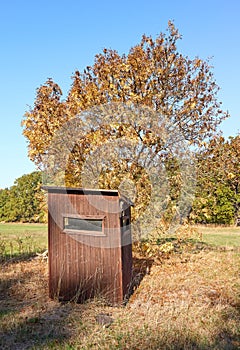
x=28, y=318
x=7, y=259
x=37, y=331
x=141, y=268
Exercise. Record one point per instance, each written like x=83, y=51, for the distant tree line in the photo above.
x=24, y=201
x=217, y=198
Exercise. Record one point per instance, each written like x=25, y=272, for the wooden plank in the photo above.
x=88, y=264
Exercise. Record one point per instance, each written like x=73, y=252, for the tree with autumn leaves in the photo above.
x=154, y=75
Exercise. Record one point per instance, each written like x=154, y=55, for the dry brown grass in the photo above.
x=189, y=301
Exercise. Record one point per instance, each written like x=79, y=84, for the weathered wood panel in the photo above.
x=84, y=265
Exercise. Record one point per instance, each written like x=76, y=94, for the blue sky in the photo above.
x=54, y=38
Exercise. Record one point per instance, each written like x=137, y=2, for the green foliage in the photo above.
x=218, y=189
x=24, y=201
x=216, y=207
x=4, y=196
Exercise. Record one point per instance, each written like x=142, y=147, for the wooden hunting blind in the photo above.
x=89, y=244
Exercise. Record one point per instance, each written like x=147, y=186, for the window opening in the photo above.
x=80, y=224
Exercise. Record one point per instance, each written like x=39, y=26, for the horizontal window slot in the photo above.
x=83, y=224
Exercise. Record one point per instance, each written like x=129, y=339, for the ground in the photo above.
x=188, y=300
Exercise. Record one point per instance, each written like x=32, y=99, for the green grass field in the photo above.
x=21, y=239
x=221, y=236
